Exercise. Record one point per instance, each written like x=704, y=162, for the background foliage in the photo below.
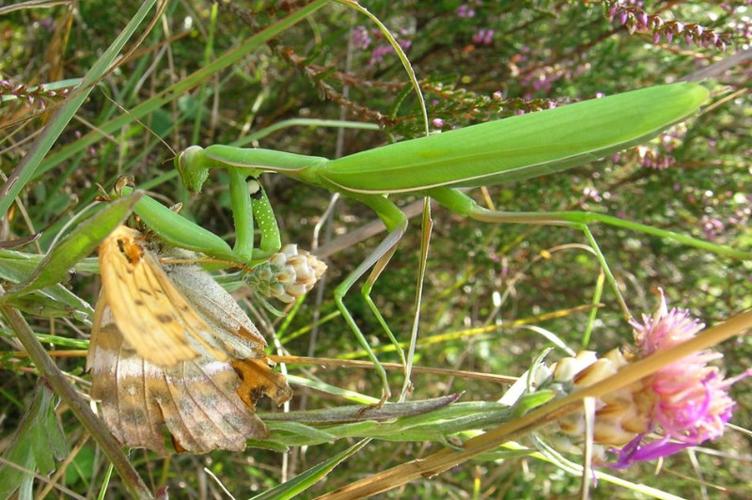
x=475, y=61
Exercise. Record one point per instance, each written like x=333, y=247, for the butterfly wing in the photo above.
x=153, y=316
x=236, y=333
x=196, y=401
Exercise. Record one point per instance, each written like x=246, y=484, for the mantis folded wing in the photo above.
x=492, y=153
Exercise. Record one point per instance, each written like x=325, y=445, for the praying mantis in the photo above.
x=438, y=166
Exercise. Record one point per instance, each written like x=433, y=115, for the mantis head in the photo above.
x=192, y=168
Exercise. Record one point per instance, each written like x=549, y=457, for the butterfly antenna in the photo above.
x=124, y=110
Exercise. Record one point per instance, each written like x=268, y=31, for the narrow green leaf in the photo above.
x=28, y=167
x=303, y=481
x=51, y=302
x=78, y=244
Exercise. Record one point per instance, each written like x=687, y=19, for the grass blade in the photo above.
x=303, y=481
x=25, y=170
x=176, y=90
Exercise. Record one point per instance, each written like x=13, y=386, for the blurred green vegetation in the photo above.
x=541, y=52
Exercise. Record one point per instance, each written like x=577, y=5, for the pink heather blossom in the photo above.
x=483, y=37
x=378, y=53
x=465, y=11
x=691, y=401
x=360, y=37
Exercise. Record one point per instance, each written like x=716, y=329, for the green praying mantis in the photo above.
x=438, y=166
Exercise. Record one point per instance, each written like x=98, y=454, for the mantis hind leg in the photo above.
x=396, y=223
x=462, y=204
x=365, y=292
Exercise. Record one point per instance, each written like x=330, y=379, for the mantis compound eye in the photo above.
x=192, y=167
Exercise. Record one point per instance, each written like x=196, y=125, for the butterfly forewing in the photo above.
x=172, y=351
x=153, y=316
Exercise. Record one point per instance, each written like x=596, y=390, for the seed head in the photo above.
x=288, y=274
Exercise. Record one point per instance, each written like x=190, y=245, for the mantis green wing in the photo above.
x=519, y=147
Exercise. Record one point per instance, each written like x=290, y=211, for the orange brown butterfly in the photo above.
x=171, y=350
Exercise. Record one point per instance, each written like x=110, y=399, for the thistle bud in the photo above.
x=620, y=415
x=287, y=274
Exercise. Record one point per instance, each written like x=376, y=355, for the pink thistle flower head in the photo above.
x=691, y=403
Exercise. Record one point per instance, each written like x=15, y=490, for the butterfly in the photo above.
x=171, y=348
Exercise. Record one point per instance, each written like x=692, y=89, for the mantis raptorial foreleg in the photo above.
x=247, y=206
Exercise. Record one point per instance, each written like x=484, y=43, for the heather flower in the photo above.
x=633, y=17
x=712, y=227
x=360, y=37
x=465, y=11
x=378, y=53
x=483, y=37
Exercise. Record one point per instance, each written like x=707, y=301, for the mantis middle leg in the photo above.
x=396, y=224
x=462, y=204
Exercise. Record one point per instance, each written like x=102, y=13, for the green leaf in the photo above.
x=52, y=302
x=38, y=441
x=78, y=244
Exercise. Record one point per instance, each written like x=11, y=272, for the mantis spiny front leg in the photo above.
x=193, y=166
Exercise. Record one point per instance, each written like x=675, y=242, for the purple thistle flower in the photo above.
x=690, y=398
